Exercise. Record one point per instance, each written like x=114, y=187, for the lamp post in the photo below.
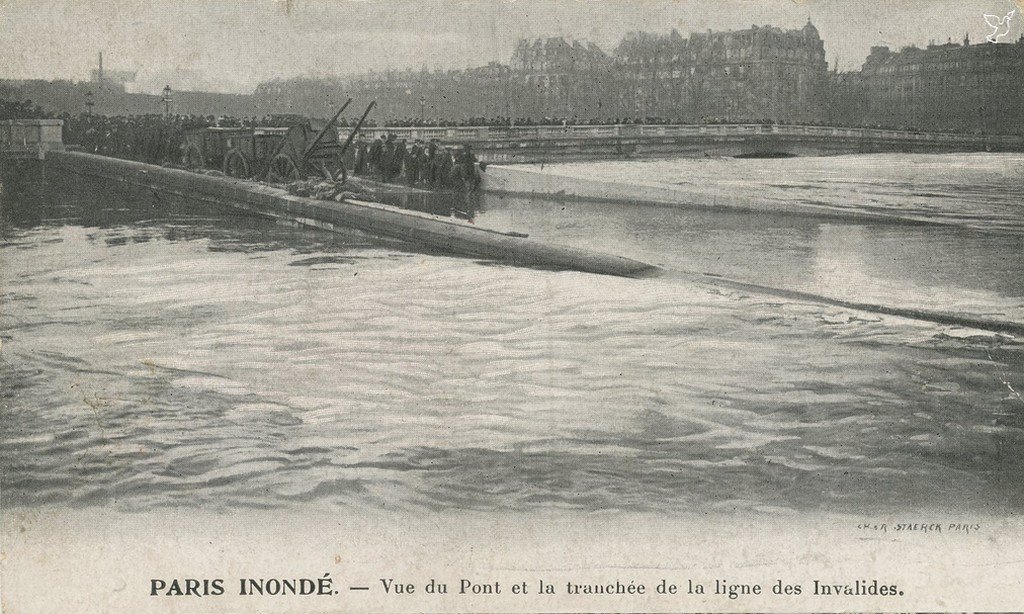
x=167, y=100
x=89, y=103
x=423, y=107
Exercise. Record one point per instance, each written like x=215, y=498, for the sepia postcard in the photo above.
x=323, y=306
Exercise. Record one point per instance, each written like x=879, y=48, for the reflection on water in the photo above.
x=981, y=191
x=949, y=268
x=160, y=355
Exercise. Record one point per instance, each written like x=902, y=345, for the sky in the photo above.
x=231, y=45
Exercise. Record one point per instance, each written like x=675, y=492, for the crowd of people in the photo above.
x=158, y=139
x=509, y=122
x=155, y=139
x=429, y=164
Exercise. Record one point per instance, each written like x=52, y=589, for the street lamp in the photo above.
x=89, y=103
x=423, y=107
x=167, y=100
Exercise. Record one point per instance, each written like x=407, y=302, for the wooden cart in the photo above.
x=276, y=154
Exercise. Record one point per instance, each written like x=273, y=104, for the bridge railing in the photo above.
x=513, y=133
x=31, y=136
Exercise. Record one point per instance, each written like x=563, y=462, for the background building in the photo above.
x=760, y=74
x=404, y=96
x=554, y=77
x=955, y=87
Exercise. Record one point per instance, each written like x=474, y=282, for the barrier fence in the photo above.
x=500, y=133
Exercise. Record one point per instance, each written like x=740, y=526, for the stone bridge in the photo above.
x=523, y=144
x=30, y=138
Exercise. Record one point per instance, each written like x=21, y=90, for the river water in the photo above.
x=165, y=356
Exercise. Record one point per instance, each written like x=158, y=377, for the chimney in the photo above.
x=100, y=73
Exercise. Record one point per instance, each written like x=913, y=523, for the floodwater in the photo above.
x=970, y=264
x=981, y=190
x=164, y=356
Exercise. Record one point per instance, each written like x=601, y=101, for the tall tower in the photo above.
x=99, y=74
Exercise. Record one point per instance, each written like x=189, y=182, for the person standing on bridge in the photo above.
x=443, y=168
x=423, y=164
x=396, y=159
x=387, y=160
x=412, y=162
x=376, y=155
x=466, y=169
x=359, y=161
x=430, y=158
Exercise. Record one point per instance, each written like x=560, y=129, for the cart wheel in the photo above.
x=236, y=165
x=192, y=157
x=283, y=169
